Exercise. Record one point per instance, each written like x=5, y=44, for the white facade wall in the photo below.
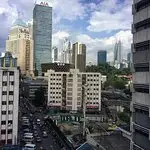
x=9, y=99
x=69, y=86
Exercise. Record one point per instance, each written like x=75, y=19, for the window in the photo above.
x=11, y=83
x=3, y=131
x=5, y=83
x=5, y=73
x=142, y=46
x=10, y=102
x=9, y=141
x=3, y=122
x=10, y=121
x=142, y=4
x=4, y=93
x=11, y=92
x=11, y=73
x=142, y=67
x=4, y=103
x=10, y=112
x=142, y=88
x=3, y=112
x=142, y=25
x=9, y=131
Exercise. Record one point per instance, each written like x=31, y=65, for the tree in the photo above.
x=124, y=117
x=39, y=99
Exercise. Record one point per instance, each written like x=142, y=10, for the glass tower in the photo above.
x=101, y=57
x=42, y=35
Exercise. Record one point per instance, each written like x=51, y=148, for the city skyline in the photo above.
x=79, y=23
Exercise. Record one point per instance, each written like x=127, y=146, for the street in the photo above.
x=28, y=110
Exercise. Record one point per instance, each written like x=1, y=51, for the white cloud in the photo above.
x=59, y=36
x=111, y=15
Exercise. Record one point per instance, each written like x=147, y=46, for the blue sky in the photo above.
x=97, y=23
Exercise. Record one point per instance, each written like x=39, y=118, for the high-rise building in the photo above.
x=20, y=44
x=9, y=100
x=7, y=60
x=79, y=56
x=67, y=90
x=129, y=59
x=55, y=54
x=101, y=57
x=42, y=35
x=66, y=54
x=118, y=52
x=140, y=106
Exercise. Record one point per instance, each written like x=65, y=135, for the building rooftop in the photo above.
x=19, y=22
x=114, y=141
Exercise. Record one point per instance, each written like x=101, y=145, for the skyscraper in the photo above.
x=129, y=59
x=42, y=35
x=55, y=54
x=118, y=52
x=101, y=57
x=140, y=106
x=20, y=44
x=79, y=56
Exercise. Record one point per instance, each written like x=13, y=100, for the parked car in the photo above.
x=45, y=135
x=38, y=139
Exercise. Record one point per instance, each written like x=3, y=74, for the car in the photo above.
x=26, y=130
x=38, y=139
x=42, y=148
x=35, y=133
x=45, y=135
x=38, y=121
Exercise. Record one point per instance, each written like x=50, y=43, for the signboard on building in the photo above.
x=44, y=4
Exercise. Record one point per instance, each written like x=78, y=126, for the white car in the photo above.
x=29, y=147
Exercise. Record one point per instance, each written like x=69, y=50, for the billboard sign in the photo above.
x=44, y=4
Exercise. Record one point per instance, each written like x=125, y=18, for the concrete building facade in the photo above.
x=29, y=87
x=79, y=56
x=67, y=90
x=42, y=35
x=7, y=60
x=9, y=101
x=140, y=107
x=20, y=44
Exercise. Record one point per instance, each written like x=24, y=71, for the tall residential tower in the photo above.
x=140, y=106
x=79, y=56
x=42, y=35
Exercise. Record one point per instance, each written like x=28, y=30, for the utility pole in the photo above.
x=84, y=108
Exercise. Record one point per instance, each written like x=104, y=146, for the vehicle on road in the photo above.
x=35, y=133
x=30, y=134
x=38, y=121
x=38, y=139
x=29, y=147
x=26, y=130
x=45, y=135
x=28, y=139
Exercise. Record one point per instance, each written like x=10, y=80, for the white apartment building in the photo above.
x=9, y=99
x=68, y=89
